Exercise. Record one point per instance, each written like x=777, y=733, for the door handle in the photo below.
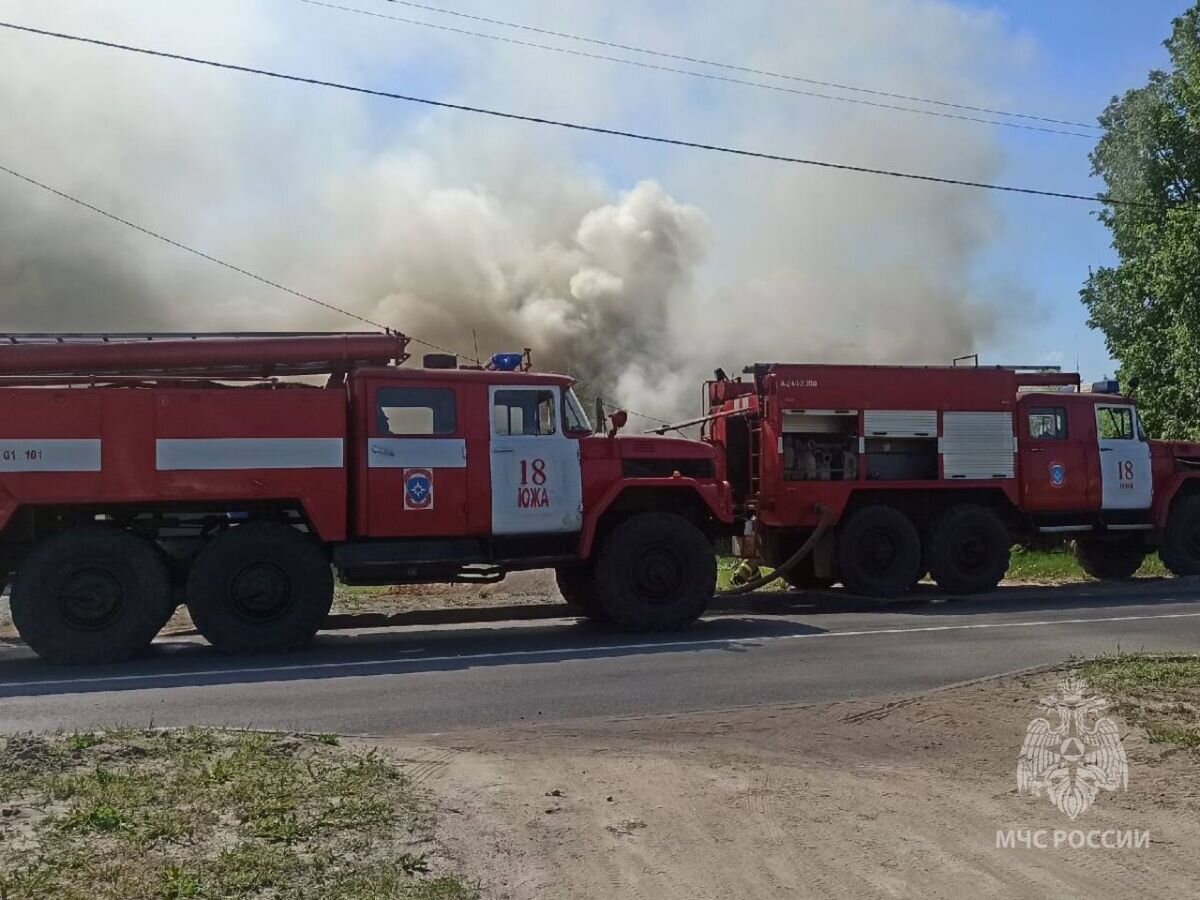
x=1037, y=449
x=502, y=450
x=1106, y=449
x=382, y=451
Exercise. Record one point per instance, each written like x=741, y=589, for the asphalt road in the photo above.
x=422, y=679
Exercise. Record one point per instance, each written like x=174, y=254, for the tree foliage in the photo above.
x=1148, y=306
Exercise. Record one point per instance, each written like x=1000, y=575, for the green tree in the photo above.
x=1148, y=306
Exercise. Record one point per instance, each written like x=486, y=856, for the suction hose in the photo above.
x=792, y=561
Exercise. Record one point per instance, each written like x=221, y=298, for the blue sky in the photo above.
x=1086, y=52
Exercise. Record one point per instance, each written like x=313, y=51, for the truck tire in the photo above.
x=91, y=594
x=577, y=584
x=1180, y=551
x=879, y=552
x=261, y=587
x=1109, y=560
x=969, y=550
x=655, y=572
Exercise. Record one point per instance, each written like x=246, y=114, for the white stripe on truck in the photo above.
x=208, y=454
x=50, y=455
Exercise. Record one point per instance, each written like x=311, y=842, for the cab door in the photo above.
x=416, y=460
x=1125, y=474
x=1054, y=457
x=536, y=482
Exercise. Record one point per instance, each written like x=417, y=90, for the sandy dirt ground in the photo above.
x=885, y=799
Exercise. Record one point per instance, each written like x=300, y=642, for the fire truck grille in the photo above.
x=665, y=468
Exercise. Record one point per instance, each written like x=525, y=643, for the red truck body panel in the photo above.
x=97, y=446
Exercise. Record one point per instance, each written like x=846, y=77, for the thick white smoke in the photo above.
x=637, y=268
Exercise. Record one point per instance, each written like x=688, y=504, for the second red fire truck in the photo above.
x=911, y=471
x=235, y=473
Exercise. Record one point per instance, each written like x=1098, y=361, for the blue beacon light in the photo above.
x=507, y=362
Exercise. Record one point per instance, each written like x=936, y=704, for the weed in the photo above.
x=204, y=813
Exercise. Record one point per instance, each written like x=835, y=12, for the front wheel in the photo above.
x=1110, y=560
x=1180, y=551
x=655, y=572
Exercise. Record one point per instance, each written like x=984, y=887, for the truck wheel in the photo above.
x=1110, y=560
x=656, y=572
x=91, y=594
x=879, y=552
x=968, y=550
x=1180, y=551
x=261, y=587
x=577, y=584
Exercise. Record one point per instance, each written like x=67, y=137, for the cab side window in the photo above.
x=1115, y=423
x=528, y=413
x=1048, y=423
x=415, y=411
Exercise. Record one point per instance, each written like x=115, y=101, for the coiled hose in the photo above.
x=792, y=561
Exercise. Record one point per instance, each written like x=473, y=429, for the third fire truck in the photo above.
x=900, y=472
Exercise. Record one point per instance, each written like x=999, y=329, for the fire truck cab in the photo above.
x=237, y=473
x=940, y=470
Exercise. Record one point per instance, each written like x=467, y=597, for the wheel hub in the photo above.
x=91, y=598
x=657, y=574
x=878, y=551
x=969, y=552
x=261, y=592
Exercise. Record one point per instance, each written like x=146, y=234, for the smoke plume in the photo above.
x=636, y=268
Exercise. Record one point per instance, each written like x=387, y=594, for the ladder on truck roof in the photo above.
x=243, y=354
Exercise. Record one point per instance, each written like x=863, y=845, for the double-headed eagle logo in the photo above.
x=1077, y=757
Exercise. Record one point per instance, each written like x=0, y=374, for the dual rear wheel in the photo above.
x=880, y=551
x=96, y=594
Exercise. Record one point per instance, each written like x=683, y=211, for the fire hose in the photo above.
x=792, y=561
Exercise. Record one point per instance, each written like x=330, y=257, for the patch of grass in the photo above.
x=83, y=740
x=209, y=814
x=1160, y=693
x=1027, y=567
x=1059, y=567
x=727, y=565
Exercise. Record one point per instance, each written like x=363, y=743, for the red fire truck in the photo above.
x=915, y=470
x=140, y=471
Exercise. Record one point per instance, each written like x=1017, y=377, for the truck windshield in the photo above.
x=574, y=417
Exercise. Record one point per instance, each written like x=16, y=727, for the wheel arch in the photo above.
x=27, y=525
x=924, y=506
x=706, y=505
x=1183, y=485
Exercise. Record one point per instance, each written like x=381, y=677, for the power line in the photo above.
x=208, y=256
x=736, y=68
x=574, y=126
x=694, y=74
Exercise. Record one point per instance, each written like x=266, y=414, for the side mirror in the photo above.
x=618, y=420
